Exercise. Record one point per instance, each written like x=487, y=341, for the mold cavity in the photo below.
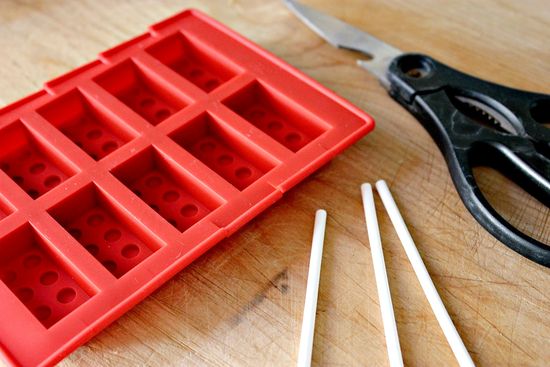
x=167, y=188
x=140, y=90
x=35, y=167
x=35, y=277
x=88, y=124
x=277, y=115
x=195, y=61
x=230, y=154
x=102, y=226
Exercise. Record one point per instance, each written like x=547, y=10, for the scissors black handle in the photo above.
x=478, y=123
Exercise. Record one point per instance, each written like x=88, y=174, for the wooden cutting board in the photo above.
x=241, y=304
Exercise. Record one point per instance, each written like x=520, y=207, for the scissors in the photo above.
x=474, y=122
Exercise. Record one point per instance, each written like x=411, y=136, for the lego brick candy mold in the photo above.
x=120, y=173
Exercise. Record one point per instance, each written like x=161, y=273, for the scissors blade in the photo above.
x=346, y=36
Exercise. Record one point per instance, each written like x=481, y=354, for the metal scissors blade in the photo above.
x=346, y=36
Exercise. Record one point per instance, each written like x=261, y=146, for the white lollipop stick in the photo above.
x=310, y=306
x=461, y=353
x=381, y=276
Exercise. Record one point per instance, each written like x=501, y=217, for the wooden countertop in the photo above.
x=241, y=303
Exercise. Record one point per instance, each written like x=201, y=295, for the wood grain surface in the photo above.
x=241, y=303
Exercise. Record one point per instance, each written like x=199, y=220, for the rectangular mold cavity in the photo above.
x=40, y=282
x=30, y=162
x=178, y=197
x=105, y=231
x=276, y=115
x=86, y=124
x=141, y=91
x=229, y=154
x=193, y=61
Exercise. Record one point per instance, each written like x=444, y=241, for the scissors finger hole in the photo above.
x=513, y=203
x=540, y=112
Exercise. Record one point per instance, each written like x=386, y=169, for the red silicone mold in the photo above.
x=120, y=173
